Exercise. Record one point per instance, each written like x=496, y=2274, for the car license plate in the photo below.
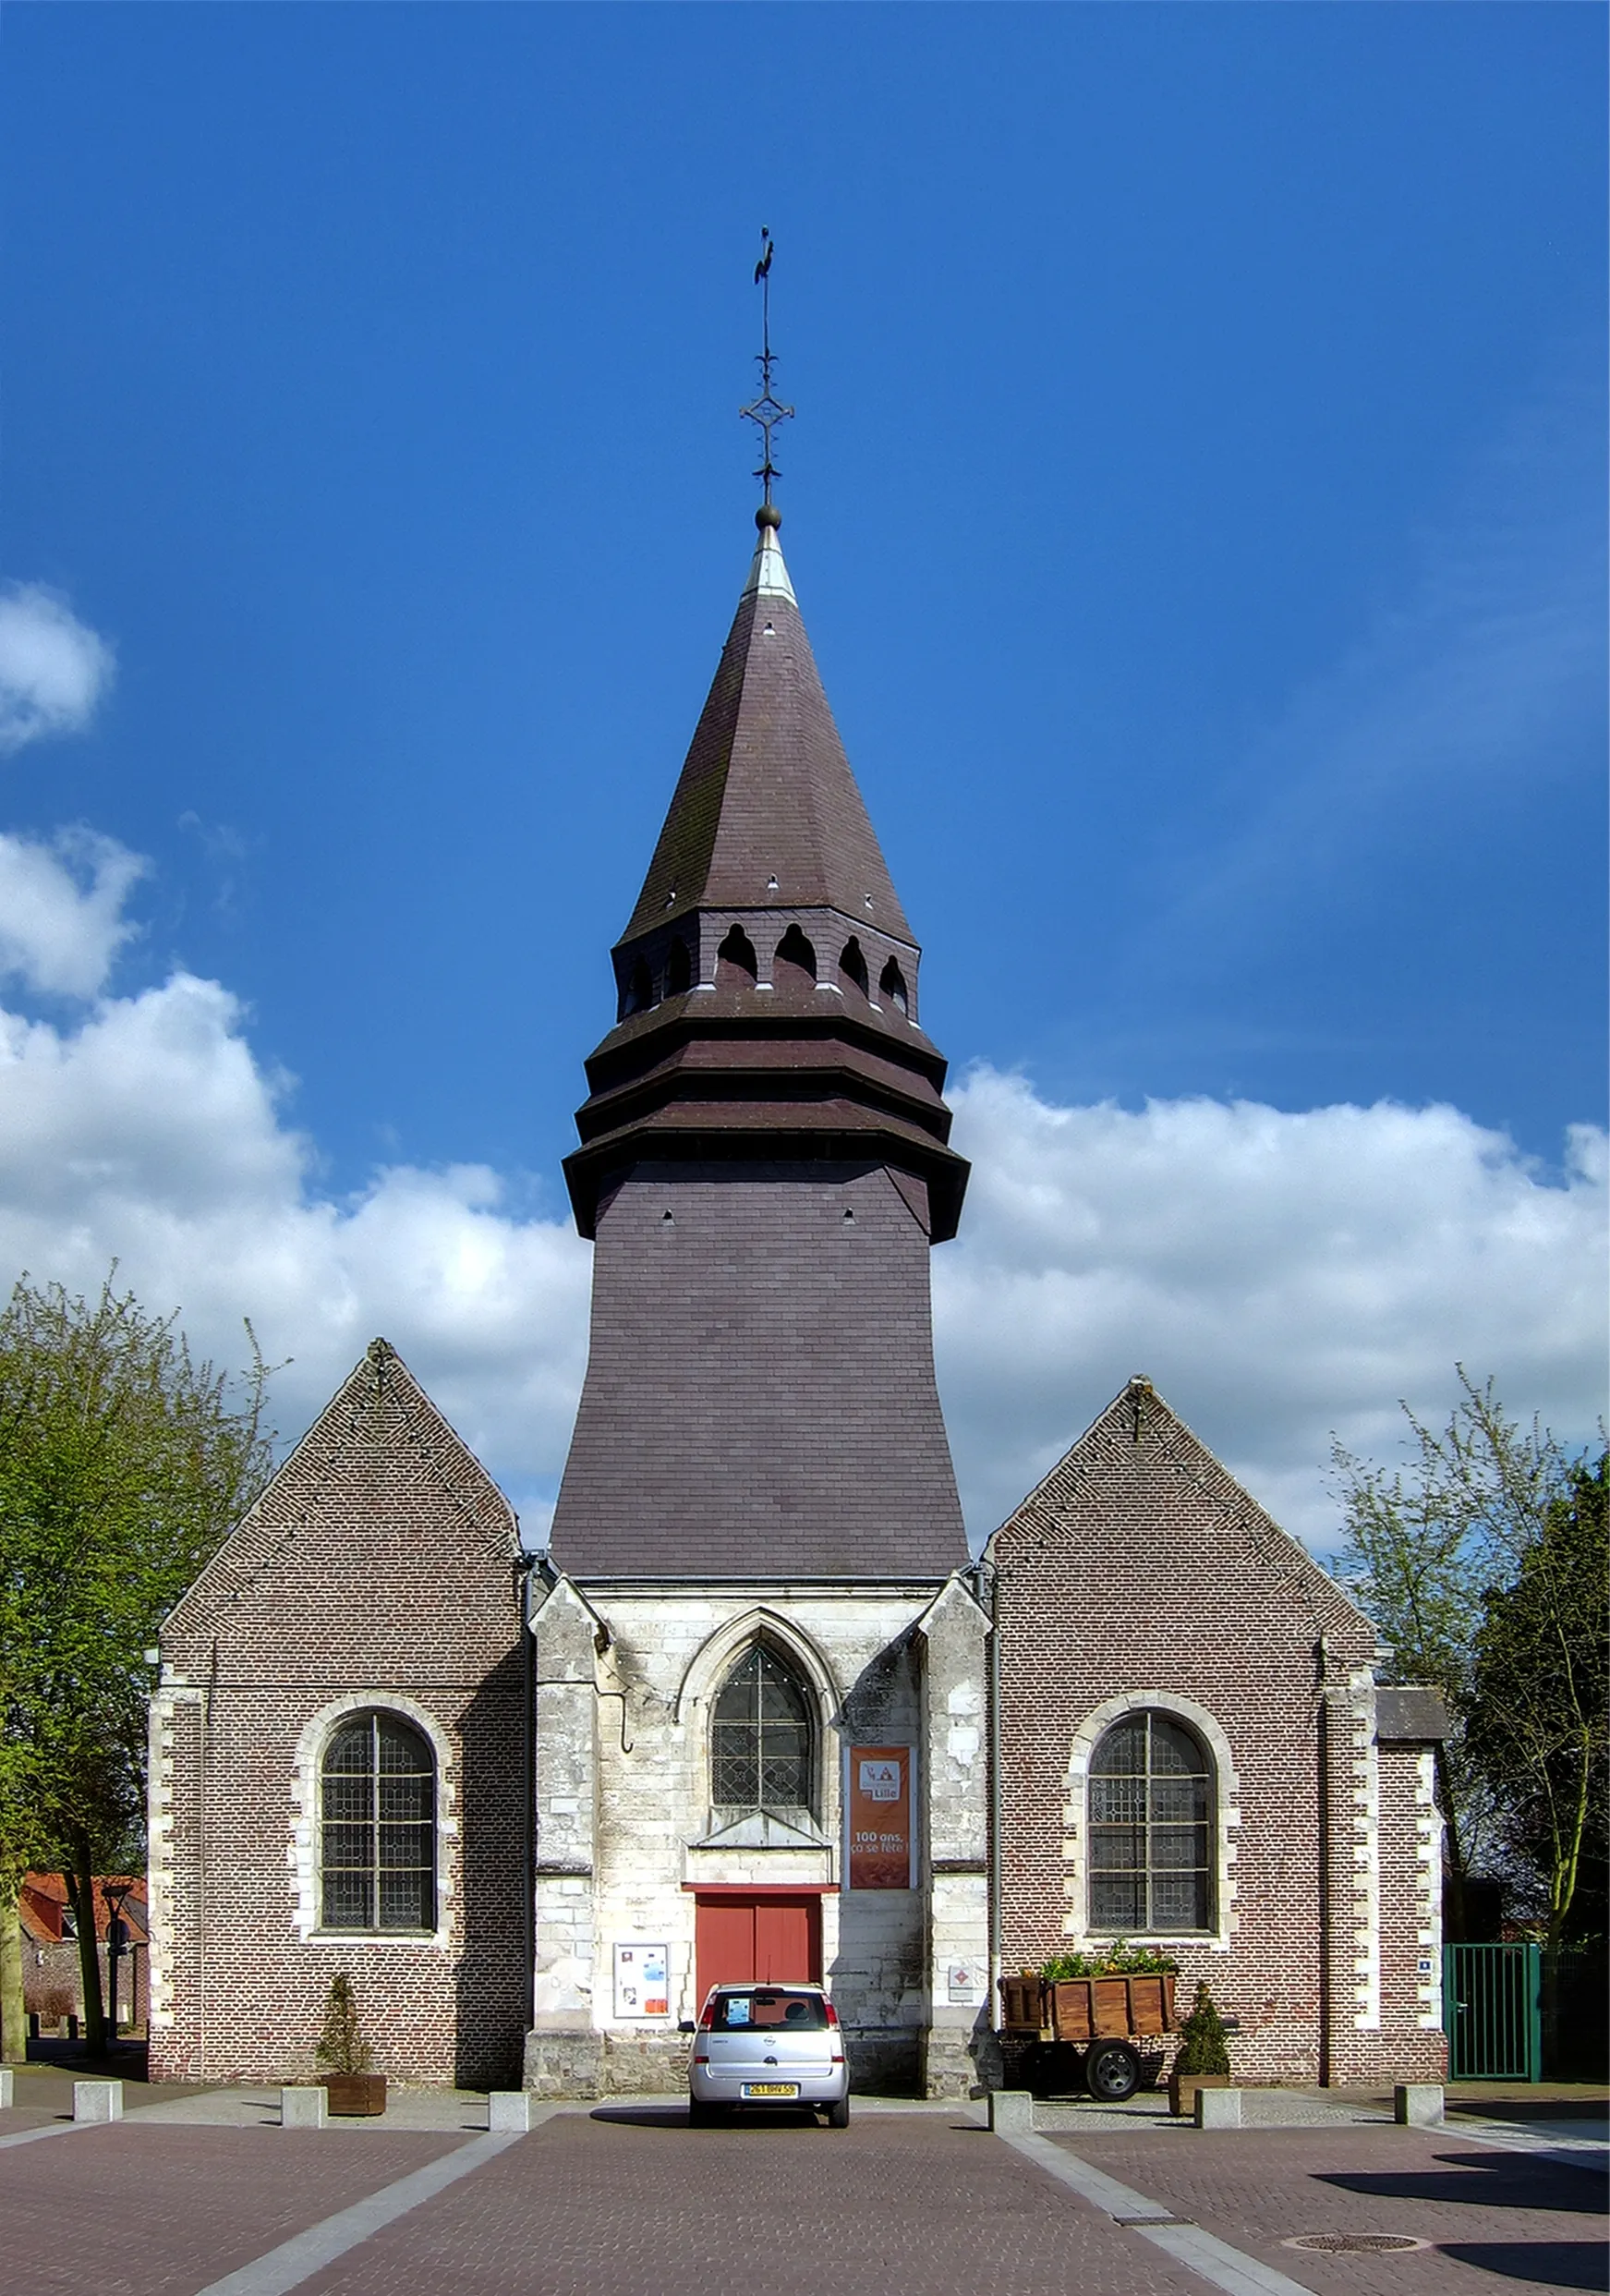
x=771, y=2088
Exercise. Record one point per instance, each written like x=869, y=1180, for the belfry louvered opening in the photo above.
x=378, y=1827
x=1151, y=1830
x=763, y=1742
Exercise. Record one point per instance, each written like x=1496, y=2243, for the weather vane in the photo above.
x=766, y=411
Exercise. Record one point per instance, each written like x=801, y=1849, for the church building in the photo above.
x=757, y=1712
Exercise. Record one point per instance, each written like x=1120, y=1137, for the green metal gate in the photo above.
x=1491, y=2012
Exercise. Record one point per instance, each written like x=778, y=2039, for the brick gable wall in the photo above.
x=1140, y=1573
x=381, y=1568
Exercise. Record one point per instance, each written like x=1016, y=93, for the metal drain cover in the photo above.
x=1355, y=2243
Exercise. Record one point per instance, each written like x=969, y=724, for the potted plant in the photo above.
x=1203, y=2058
x=345, y=2056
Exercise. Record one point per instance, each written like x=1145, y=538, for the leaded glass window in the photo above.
x=378, y=1827
x=762, y=1750
x=1151, y=1830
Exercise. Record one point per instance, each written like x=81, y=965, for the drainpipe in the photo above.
x=528, y=1824
x=989, y=1586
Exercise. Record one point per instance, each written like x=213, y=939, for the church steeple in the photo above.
x=766, y=814
x=767, y=981
x=764, y=1164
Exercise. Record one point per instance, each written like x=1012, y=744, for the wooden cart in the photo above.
x=1086, y=2028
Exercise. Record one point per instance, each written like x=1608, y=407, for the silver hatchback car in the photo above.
x=769, y=2045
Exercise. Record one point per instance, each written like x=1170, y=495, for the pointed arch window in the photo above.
x=1151, y=1791
x=736, y=964
x=763, y=1754
x=794, y=965
x=639, y=995
x=853, y=966
x=891, y=984
x=678, y=970
x=377, y=1829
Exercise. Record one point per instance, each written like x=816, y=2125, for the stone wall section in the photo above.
x=1140, y=1574
x=626, y=1831
x=380, y=1569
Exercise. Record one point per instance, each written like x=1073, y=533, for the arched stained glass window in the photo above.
x=378, y=1827
x=1151, y=1830
x=762, y=1744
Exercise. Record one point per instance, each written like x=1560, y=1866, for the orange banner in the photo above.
x=879, y=1802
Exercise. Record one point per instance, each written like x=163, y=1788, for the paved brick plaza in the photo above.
x=632, y=2202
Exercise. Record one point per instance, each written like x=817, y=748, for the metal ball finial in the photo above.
x=769, y=515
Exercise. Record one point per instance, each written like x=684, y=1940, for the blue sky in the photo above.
x=1195, y=499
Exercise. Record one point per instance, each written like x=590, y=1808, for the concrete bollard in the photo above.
x=1418, y=2103
x=302, y=2109
x=509, y=2108
x=7, y=2087
x=97, y=2100
x=1218, y=2108
x=1011, y=2112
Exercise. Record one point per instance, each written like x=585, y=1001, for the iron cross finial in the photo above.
x=766, y=411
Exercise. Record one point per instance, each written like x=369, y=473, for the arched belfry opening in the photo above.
x=892, y=987
x=737, y=963
x=853, y=973
x=678, y=969
x=793, y=970
x=638, y=994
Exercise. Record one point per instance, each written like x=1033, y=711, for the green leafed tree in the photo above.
x=123, y=1466
x=1427, y=1542
x=1537, y=1706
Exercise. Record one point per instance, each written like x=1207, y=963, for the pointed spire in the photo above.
x=767, y=574
x=767, y=813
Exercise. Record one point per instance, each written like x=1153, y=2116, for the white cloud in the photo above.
x=150, y=1133
x=61, y=909
x=53, y=669
x=1278, y=1275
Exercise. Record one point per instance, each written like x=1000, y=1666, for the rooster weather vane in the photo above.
x=766, y=411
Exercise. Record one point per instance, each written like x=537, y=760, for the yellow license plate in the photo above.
x=771, y=2088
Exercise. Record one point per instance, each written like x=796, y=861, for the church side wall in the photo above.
x=1130, y=1583
x=363, y=1586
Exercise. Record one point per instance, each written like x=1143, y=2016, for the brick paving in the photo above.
x=646, y=2207
x=630, y=2201
x=1519, y=2220
x=155, y=2211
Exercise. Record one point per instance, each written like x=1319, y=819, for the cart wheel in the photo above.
x=1112, y=2071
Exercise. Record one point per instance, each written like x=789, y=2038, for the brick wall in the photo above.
x=1139, y=1574
x=380, y=1569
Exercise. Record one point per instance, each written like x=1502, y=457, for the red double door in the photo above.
x=764, y=1939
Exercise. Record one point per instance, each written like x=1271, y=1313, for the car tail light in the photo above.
x=837, y=2057
x=701, y=2057
x=833, y=2014
x=709, y=2017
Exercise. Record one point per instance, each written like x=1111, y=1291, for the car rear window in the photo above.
x=771, y=2006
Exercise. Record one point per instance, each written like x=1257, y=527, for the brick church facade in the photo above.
x=757, y=1712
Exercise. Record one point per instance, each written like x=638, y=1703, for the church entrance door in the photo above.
x=763, y=1936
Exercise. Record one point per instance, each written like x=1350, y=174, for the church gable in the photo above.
x=378, y=1509
x=1142, y=1504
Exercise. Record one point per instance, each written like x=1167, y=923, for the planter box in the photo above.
x=356, y=2095
x=1182, y=2088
